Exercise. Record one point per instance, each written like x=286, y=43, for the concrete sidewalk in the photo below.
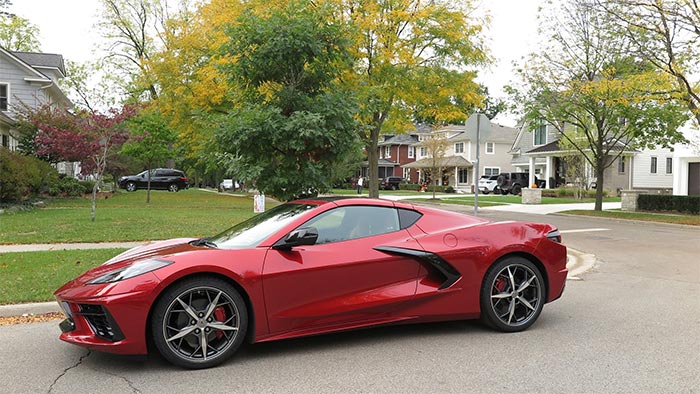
x=68, y=246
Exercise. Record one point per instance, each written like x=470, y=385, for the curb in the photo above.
x=577, y=263
x=36, y=308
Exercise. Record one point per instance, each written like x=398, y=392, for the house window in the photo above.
x=387, y=151
x=490, y=148
x=411, y=152
x=669, y=165
x=621, y=165
x=407, y=173
x=541, y=134
x=459, y=147
x=653, y=165
x=4, y=96
x=463, y=175
x=423, y=151
x=492, y=171
x=6, y=140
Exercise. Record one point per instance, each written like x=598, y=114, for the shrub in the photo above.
x=410, y=186
x=21, y=177
x=664, y=202
x=450, y=189
x=87, y=186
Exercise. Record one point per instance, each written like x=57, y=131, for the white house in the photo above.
x=686, y=164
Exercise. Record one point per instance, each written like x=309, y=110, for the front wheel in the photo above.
x=512, y=294
x=199, y=323
x=131, y=187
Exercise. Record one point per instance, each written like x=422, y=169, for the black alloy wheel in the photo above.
x=512, y=294
x=199, y=322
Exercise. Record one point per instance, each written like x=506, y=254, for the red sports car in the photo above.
x=311, y=267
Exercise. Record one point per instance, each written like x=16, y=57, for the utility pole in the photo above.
x=476, y=172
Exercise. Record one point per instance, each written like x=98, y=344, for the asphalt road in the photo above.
x=630, y=325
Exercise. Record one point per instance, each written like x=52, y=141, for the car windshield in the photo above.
x=251, y=232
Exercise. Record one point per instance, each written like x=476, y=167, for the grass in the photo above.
x=34, y=276
x=693, y=220
x=126, y=217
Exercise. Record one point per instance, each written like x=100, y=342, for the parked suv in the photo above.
x=161, y=178
x=487, y=183
x=512, y=182
x=390, y=183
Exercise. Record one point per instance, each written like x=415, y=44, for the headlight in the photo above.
x=138, y=268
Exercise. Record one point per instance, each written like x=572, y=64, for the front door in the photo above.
x=341, y=279
x=694, y=179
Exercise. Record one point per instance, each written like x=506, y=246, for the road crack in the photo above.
x=133, y=388
x=65, y=371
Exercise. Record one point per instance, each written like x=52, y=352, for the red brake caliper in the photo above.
x=220, y=315
x=500, y=284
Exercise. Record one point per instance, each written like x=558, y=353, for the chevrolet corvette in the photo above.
x=311, y=267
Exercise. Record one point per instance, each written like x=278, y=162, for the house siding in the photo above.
x=644, y=178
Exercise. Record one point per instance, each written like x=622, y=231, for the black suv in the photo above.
x=390, y=183
x=161, y=178
x=512, y=182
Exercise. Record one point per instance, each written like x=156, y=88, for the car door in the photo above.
x=341, y=279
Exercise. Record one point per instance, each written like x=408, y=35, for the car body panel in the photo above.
x=431, y=270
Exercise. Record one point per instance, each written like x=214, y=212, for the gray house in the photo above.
x=494, y=146
x=537, y=151
x=29, y=79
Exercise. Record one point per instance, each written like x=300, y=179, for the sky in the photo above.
x=67, y=27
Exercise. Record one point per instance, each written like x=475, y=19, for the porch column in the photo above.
x=548, y=172
x=456, y=177
x=531, y=174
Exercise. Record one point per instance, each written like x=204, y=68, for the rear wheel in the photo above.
x=512, y=294
x=516, y=190
x=199, y=323
x=173, y=187
x=131, y=187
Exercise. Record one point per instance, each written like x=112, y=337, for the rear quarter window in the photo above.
x=408, y=218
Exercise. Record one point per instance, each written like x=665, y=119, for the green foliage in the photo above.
x=22, y=177
x=666, y=203
x=151, y=138
x=18, y=34
x=66, y=186
x=292, y=122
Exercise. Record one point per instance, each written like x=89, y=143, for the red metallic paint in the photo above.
x=323, y=288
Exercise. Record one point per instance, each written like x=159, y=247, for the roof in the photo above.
x=449, y=161
x=401, y=139
x=381, y=163
x=42, y=60
x=4, y=118
x=553, y=147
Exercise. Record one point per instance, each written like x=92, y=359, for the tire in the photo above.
x=173, y=188
x=516, y=190
x=505, y=309
x=485, y=191
x=393, y=187
x=131, y=187
x=199, y=311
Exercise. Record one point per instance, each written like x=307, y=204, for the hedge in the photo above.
x=666, y=202
x=22, y=177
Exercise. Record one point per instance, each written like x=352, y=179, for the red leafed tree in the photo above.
x=90, y=139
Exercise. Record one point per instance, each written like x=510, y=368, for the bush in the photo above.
x=67, y=186
x=665, y=203
x=450, y=189
x=410, y=186
x=87, y=186
x=22, y=177
x=570, y=192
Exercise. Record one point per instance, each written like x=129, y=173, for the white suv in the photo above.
x=487, y=183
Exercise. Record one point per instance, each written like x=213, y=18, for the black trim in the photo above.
x=66, y=325
x=446, y=269
x=101, y=322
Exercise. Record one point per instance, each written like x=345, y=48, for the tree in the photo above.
x=436, y=147
x=412, y=57
x=292, y=119
x=667, y=35
x=18, y=34
x=151, y=141
x=580, y=80
x=85, y=93
x=90, y=138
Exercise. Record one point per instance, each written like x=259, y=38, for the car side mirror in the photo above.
x=298, y=237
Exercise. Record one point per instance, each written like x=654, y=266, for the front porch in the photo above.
x=457, y=172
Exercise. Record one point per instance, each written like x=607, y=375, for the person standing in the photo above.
x=359, y=185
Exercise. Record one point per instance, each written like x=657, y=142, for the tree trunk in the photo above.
x=373, y=159
x=94, y=200
x=600, y=181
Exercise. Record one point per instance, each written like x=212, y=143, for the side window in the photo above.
x=408, y=217
x=346, y=223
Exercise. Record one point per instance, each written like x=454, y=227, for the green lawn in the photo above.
x=34, y=276
x=693, y=220
x=126, y=217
